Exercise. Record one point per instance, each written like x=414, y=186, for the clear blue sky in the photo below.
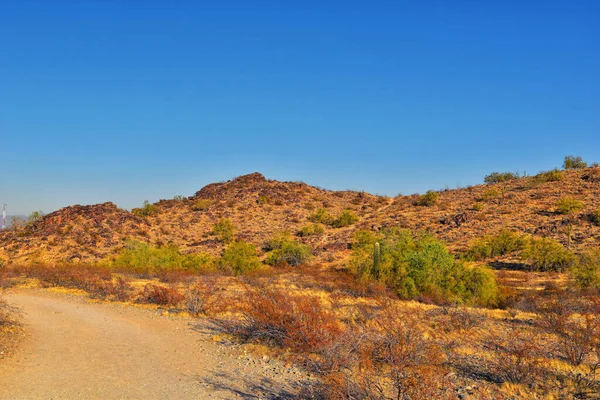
x=134, y=100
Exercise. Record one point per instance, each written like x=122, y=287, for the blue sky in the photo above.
x=129, y=100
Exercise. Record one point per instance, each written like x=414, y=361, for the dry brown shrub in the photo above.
x=154, y=294
x=175, y=276
x=514, y=356
x=204, y=297
x=391, y=357
x=8, y=314
x=278, y=318
x=450, y=319
x=119, y=290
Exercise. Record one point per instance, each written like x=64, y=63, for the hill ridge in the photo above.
x=260, y=207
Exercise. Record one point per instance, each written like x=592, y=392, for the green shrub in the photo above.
x=144, y=259
x=490, y=194
x=239, y=257
x=285, y=250
x=547, y=255
x=428, y=199
x=146, y=210
x=572, y=162
x=595, y=217
x=420, y=265
x=498, y=177
x=568, y=205
x=503, y=243
x=262, y=200
x=586, y=272
x=310, y=230
x=202, y=205
x=345, y=218
x=321, y=216
x=554, y=175
x=478, y=206
x=35, y=216
x=224, y=230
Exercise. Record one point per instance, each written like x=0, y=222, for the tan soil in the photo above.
x=82, y=350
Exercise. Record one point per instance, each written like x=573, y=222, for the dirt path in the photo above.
x=83, y=350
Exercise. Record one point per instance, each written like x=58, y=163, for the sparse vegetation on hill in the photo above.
x=568, y=205
x=499, y=177
x=224, y=230
x=146, y=210
x=428, y=199
x=554, y=175
x=548, y=255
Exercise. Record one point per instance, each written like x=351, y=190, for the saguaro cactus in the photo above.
x=376, y=259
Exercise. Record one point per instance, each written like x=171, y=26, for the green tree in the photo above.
x=572, y=162
x=224, y=230
x=239, y=257
x=285, y=250
x=146, y=210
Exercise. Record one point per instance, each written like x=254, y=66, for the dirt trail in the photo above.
x=83, y=350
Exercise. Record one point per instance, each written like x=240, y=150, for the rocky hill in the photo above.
x=259, y=208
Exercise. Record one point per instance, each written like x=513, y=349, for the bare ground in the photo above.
x=84, y=350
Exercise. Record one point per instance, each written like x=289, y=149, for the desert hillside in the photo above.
x=260, y=207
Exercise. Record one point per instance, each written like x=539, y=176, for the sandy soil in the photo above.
x=78, y=349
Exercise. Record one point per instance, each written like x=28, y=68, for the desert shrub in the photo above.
x=577, y=330
x=202, y=204
x=239, y=257
x=572, y=162
x=224, y=230
x=394, y=348
x=179, y=198
x=478, y=206
x=420, y=265
x=568, y=205
x=345, y=218
x=146, y=210
x=586, y=272
x=554, y=175
x=8, y=314
x=286, y=251
x=142, y=258
x=202, y=298
x=321, y=216
x=595, y=217
x=278, y=318
x=503, y=243
x=119, y=289
x=428, y=199
x=490, y=194
x=165, y=296
x=79, y=276
x=514, y=356
x=94, y=279
x=451, y=319
x=499, y=177
x=262, y=200
x=35, y=216
x=310, y=230
x=547, y=255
